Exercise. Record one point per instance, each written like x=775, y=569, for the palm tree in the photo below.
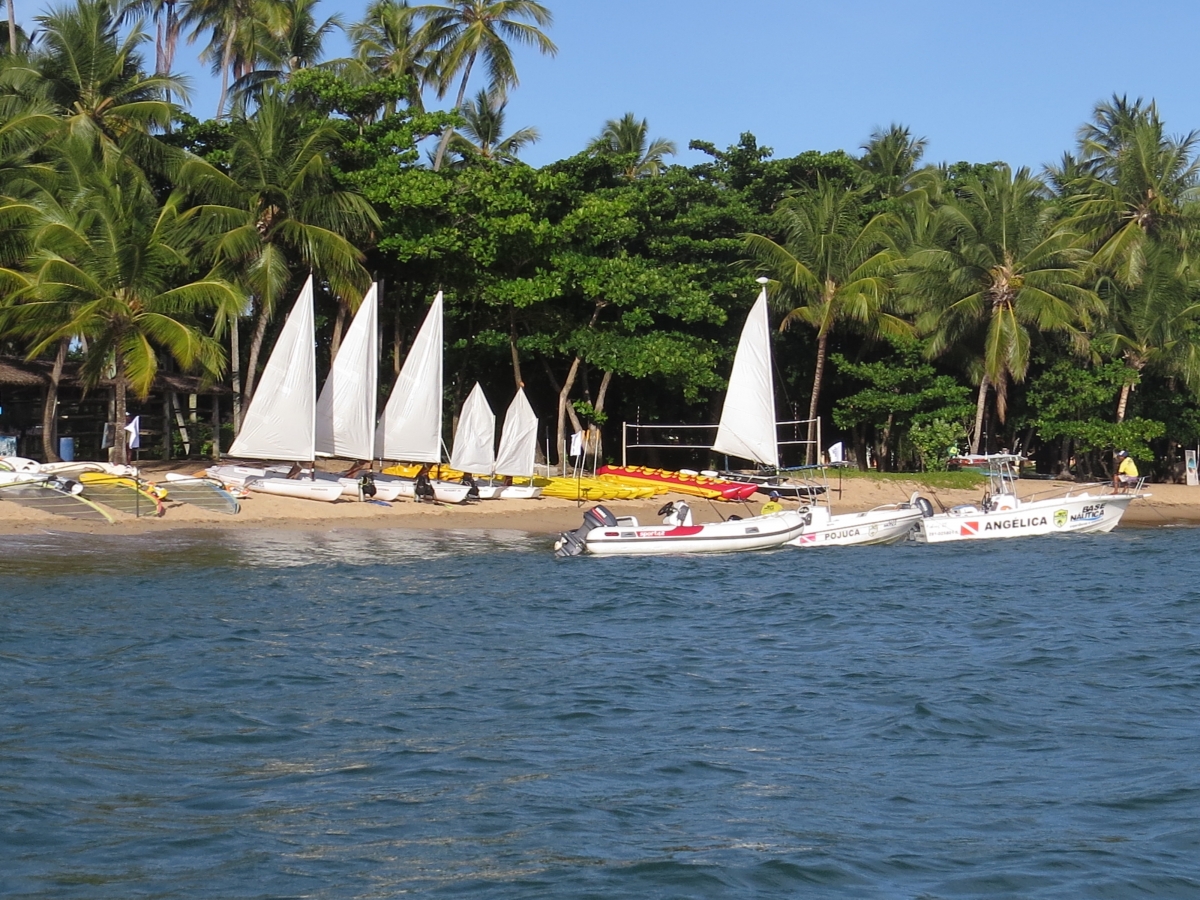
x=278, y=213
x=95, y=80
x=230, y=25
x=1133, y=186
x=833, y=268
x=110, y=266
x=1005, y=270
x=891, y=156
x=627, y=136
x=385, y=43
x=480, y=134
x=290, y=38
x=465, y=31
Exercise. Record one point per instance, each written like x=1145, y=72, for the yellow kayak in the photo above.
x=594, y=489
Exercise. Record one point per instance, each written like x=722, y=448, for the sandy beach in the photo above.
x=1169, y=505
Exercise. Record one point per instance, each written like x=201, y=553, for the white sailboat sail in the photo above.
x=280, y=421
x=518, y=443
x=474, y=442
x=346, y=407
x=747, y=428
x=411, y=425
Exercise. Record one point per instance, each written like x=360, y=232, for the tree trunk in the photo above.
x=980, y=406
x=50, y=407
x=256, y=342
x=512, y=344
x=885, y=444
x=448, y=131
x=235, y=371
x=568, y=383
x=1123, y=403
x=226, y=57
x=339, y=323
x=120, y=439
x=811, y=450
x=594, y=430
x=12, y=28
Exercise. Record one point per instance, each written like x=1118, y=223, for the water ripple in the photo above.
x=362, y=714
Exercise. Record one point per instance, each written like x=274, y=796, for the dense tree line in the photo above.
x=920, y=306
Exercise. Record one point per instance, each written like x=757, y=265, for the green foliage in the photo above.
x=902, y=386
x=1072, y=401
x=935, y=442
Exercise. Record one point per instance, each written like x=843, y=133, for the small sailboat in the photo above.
x=410, y=428
x=280, y=422
x=518, y=452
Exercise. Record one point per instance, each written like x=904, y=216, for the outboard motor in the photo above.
x=574, y=543
x=921, y=503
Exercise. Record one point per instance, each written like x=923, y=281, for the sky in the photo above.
x=982, y=81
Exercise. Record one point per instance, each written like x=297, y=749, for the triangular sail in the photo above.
x=747, y=428
x=411, y=425
x=346, y=407
x=279, y=422
x=474, y=442
x=518, y=443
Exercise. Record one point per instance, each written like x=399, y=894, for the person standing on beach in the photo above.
x=772, y=505
x=1127, y=472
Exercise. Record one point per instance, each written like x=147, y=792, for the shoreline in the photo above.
x=1169, y=505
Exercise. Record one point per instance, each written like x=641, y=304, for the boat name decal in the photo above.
x=840, y=535
x=1006, y=524
x=1093, y=513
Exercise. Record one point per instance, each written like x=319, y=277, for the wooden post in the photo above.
x=166, y=425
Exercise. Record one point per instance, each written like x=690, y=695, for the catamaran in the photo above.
x=1001, y=514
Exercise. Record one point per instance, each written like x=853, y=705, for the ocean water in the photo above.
x=376, y=714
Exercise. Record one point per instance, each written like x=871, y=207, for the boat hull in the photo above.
x=443, y=491
x=757, y=533
x=325, y=491
x=888, y=525
x=1082, y=514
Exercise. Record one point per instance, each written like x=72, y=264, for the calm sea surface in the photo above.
x=369, y=714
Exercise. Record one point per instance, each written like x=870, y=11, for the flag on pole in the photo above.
x=134, y=430
x=577, y=444
x=837, y=453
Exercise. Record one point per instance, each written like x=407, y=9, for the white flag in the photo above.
x=577, y=444
x=134, y=430
x=837, y=453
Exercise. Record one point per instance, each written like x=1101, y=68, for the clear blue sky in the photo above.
x=982, y=81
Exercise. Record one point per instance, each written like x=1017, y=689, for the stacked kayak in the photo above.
x=680, y=483
x=596, y=489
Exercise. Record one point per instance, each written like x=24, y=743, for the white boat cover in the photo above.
x=475, y=441
x=747, y=428
x=410, y=428
x=280, y=421
x=346, y=407
x=518, y=443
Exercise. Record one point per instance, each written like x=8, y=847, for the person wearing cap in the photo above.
x=1127, y=473
x=772, y=505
